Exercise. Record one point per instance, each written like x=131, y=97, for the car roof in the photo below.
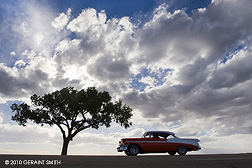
x=163, y=132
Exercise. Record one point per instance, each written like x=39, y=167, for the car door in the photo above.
x=153, y=144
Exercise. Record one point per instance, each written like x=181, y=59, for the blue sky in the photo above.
x=183, y=66
x=122, y=8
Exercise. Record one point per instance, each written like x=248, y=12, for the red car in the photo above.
x=158, y=142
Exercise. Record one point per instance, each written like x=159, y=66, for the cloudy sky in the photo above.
x=183, y=66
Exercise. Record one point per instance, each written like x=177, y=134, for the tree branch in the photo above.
x=61, y=129
x=79, y=129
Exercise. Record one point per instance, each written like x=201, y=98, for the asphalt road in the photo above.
x=145, y=161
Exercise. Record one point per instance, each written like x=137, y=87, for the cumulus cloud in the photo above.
x=109, y=68
x=199, y=85
x=88, y=20
x=19, y=81
x=235, y=71
x=61, y=21
x=27, y=26
x=35, y=29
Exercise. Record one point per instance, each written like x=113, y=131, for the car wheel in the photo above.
x=133, y=150
x=127, y=153
x=172, y=153
x=182, y=150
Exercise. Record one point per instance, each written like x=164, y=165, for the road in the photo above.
x=145, y=161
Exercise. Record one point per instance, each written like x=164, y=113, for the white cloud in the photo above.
x=87, y=21
x=1, y=119
x=33, y=29
x=61, y=21
x=32, y=139
x=20, y=63
x=108, y=68
x=225, y=144
x=192, y=50
x=148, y=80
x=25, y=79
x=13, y=53
x=14, y=134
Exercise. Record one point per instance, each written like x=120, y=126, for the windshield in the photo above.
x=146, y=135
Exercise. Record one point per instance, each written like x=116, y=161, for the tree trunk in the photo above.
x=65, y=146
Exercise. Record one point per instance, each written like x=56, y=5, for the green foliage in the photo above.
x=73, y=111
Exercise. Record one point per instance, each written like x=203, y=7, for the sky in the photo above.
x=183, y=66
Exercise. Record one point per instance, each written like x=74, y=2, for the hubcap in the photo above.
x=182, y=150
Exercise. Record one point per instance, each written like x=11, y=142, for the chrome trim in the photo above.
x=120, y=149
x=146, y=142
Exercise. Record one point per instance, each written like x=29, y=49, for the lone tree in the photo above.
x=73, y=111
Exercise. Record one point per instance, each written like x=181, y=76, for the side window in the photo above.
x=148, y=135
x=170, y=137
x=155, y=135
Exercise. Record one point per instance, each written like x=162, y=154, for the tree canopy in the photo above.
x=73, y=111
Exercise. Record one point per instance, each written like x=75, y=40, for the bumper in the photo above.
x=122, y=148
x=199, y=147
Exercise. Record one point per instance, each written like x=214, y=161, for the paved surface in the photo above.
x=145, y=161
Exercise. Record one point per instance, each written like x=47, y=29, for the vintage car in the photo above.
x=158, y=142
